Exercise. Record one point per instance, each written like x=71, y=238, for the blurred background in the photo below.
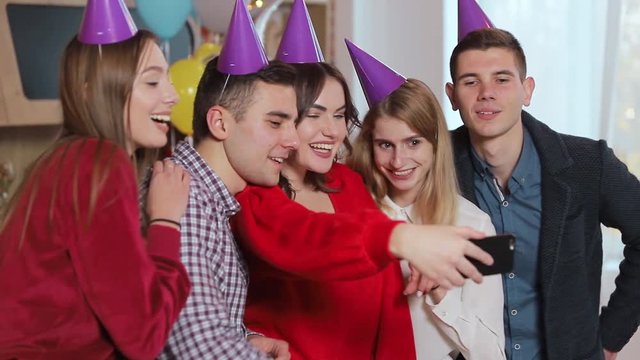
x=583, y=54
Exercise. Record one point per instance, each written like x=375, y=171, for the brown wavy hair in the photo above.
x=310, y=80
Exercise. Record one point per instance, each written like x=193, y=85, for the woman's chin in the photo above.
x=321, y=168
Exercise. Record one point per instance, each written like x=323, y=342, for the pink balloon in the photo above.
x=215, y=14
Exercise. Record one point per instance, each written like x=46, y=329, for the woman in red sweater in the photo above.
x=324, y=312
x=77, y=279
x=321, y=256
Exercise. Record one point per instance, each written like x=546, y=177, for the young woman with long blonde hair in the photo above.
x=404, y=154
x=78, y=278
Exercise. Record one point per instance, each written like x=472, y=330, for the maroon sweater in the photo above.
x=88, y=286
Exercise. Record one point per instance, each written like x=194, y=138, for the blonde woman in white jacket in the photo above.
x=404, y=154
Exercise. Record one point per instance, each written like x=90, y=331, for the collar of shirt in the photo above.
x=185, y=155
x=396, y=212
x=524, y=170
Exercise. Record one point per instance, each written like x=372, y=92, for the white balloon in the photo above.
x=215, y=14
x=263, y=18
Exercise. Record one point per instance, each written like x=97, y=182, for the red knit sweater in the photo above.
x=325, y=283
x=83, y=289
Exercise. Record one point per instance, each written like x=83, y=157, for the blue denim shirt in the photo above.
x=517, y=210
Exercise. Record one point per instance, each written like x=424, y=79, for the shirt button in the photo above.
x=444, y=314
x=512, y=275
x=505, y=203
x=514, y=312
x=516, y=346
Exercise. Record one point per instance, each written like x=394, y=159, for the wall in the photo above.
x=22, y=145
x=406, y=35
x=380, y=27
x=39, y=74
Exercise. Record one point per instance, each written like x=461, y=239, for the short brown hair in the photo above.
x=233, y=92
x=485, y=39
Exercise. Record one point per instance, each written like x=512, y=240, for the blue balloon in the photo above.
x=164, y=17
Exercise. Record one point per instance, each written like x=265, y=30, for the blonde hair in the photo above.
x=414, y=104
x=95, y=88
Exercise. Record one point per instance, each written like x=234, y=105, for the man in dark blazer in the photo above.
x=552, y=191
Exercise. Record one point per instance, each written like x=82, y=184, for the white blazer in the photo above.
x=469, y=319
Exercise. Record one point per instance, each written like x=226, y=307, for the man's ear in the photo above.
x=216, y=118
x=529, y=85
x=449, y=87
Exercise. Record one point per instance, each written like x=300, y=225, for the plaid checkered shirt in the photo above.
x=210, y=325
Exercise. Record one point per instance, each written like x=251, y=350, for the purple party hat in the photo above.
x=242, y=52
x=299, y=43
x=471, y=17
x=106, y=22
x=377, y=79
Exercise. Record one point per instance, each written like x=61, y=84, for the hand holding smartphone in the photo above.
x=501, y=248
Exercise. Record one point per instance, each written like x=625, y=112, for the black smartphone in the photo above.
x=501, y=248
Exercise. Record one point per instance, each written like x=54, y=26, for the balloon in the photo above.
x=262, y=19
x=215, y=14
x=164, y=17
x=206, y=52
x=185, y=75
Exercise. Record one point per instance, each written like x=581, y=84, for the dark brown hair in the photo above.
x=233, y=92
x=310, y=80
x=485, y=39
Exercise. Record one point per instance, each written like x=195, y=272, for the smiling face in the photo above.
x=259, y=143
x=152, y=97
x=322, y=130
x=489, y=93
x=402, y=156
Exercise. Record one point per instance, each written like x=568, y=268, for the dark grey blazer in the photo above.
x=583, y=185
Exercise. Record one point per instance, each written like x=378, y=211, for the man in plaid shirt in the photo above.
x=243, y=136
x=243, y=131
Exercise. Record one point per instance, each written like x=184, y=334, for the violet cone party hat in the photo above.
x=377, y=79
x=299, y=43
x=106, y=22
x=242, y=52
x=471, y=17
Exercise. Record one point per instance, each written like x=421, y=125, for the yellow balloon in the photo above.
x=185, y=75
x=206, y=52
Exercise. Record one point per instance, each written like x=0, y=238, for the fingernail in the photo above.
x=419, y=293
